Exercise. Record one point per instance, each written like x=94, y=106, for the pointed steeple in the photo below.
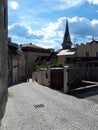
x=66, y=41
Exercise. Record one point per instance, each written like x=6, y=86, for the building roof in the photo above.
x=66, y=52
x=93, y=42
x=30, y=45
x=33, y=48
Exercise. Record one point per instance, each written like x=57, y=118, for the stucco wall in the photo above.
x=91, y=48
x=30, y=58
x=21, y=66
x=3, y=57
x=42, y=77
x=15, y=68
x=62, y=60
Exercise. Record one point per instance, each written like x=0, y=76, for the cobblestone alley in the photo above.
x=35, y=107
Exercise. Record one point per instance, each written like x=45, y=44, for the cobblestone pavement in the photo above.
x=34, y=107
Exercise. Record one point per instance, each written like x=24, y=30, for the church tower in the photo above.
x=66, y=41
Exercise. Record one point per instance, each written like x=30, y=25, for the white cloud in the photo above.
x=94, y=22
x=23, y=31
x=48, y=44
x=81, y=29
x=14, y=5
x=62, y=4
x=65, y=4
x=49, y=31
x=93, y=1
x=55, y=29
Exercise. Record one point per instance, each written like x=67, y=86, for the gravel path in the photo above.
x=34, y=107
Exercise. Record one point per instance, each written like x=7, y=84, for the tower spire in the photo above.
x=66, y=40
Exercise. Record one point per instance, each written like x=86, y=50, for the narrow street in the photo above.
x=35, y=107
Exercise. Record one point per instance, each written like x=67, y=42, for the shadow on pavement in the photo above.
x=85, y=92
x=16, y=83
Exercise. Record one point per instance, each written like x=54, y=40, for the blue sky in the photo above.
x=42, y=22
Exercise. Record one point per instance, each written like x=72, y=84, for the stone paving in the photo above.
x=35, y=107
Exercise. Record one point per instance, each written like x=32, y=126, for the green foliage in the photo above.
x=56, y=65
x=38, y=67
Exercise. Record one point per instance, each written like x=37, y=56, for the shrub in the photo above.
x=38, y=67
x=56, y=65
x=51, y=66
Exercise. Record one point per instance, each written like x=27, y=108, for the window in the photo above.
x=5, y=18
x=69, y=61
x=87, y=54
x=96, y=53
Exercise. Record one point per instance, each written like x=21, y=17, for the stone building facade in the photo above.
x=32, y=53
x=22, y=59
x=12, y=62
x=16, y=63
x=87, y=54
x=3, y=56
x=21, y=69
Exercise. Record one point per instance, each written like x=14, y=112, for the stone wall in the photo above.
x=42, y=77
x=3, y=57
x=73, y=78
